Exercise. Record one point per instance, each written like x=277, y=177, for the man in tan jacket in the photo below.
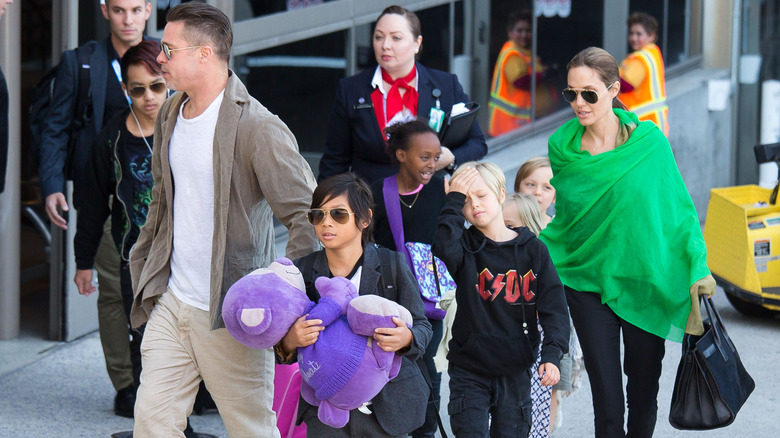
x=222, y=165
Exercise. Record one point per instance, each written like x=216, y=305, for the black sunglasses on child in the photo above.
x=317, y=215
x=139, y=91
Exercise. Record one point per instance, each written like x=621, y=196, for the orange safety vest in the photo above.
x=509, y=107
x=648, y=100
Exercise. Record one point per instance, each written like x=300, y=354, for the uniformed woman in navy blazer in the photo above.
x=398, y=89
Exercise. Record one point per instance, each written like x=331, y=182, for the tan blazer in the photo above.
x=258, y=172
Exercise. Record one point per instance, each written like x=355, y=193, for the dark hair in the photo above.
x=145, y=54
x=519, y=15
x=203, y=24
x=603, y=64
x=145, y=2
x=647, y=21
x=411, y=18
x=399, y=136
x=359, y=196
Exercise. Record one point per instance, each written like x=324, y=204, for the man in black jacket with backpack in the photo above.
x=87, y=93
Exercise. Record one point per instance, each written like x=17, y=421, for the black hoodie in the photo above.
x=501, y=287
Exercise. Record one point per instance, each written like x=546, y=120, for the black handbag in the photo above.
x=711, y=384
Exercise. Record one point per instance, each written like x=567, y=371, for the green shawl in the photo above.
x=625, y=226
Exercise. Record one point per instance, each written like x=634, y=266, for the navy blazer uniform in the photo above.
x=354, y=141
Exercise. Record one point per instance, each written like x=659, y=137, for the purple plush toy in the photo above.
x=345, y=368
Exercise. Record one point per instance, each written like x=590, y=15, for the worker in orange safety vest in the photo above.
x=510, y=91
x=642, y=84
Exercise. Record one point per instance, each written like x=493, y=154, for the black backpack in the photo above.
x=42, y=101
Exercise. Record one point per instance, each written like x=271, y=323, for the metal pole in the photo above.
x=664, y=49
x=10, y=201
x=451, y=42
x=736, y=44
x=687, y=34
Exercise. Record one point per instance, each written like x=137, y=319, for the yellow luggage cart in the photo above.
x=742, y=233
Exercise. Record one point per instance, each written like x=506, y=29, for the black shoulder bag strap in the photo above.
x=84, y=88
x=308, y=273
x=83, y=108
x=389, y=273
x=389, y=269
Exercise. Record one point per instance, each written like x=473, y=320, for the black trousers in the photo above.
x=428, y=429
x=599, y=330
x=489, y=406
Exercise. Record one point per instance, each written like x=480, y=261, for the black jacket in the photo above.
x=501, y=288
x=119, y=165
x=354, y=140
x=400, y=406
x=56, y=134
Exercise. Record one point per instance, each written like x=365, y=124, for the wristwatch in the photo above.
x=452, y=166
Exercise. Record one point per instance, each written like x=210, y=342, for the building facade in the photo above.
x=291, y=54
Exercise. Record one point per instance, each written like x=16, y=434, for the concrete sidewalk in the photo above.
x=66, y=392
x=62, y=389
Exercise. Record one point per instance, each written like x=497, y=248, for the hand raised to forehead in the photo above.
x=462, y=181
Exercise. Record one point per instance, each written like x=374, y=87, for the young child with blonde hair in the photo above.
x=504, y=277
x=521, y=210
x=533, y=178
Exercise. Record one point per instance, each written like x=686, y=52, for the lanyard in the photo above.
x=118, y=73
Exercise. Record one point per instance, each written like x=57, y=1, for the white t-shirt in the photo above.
x=191, y=154
x=355, y=279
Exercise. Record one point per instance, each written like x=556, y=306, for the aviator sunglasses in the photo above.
x=317, y=215
x=167, y=50
x=590, y=96
x=139, y=91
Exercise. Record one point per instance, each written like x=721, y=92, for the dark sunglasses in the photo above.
x=317, y=215
x=167, y=50
x=138, y=92
x=590, y=96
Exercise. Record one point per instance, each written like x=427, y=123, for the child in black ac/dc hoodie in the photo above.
x=505, y=278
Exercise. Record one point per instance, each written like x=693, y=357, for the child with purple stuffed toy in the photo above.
x=341, y=213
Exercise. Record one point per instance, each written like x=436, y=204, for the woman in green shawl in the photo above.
x=626, y=242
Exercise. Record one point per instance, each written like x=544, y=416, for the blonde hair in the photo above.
x=528, y=211
x=528, y=168
x=493, y=176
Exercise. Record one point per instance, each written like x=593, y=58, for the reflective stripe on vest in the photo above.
x=509, y=108
x=500, y=92
x=650, y=107
x=650, y=96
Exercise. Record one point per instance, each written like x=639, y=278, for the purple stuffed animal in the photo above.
x=345, y=368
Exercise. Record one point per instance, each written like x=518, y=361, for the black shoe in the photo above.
x=189, y=433
x=203, y=402
x=124, y=402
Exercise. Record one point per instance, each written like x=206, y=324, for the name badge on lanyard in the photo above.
x=436, y=116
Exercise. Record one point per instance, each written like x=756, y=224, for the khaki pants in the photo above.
x=178, y=350
x=112, y=322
